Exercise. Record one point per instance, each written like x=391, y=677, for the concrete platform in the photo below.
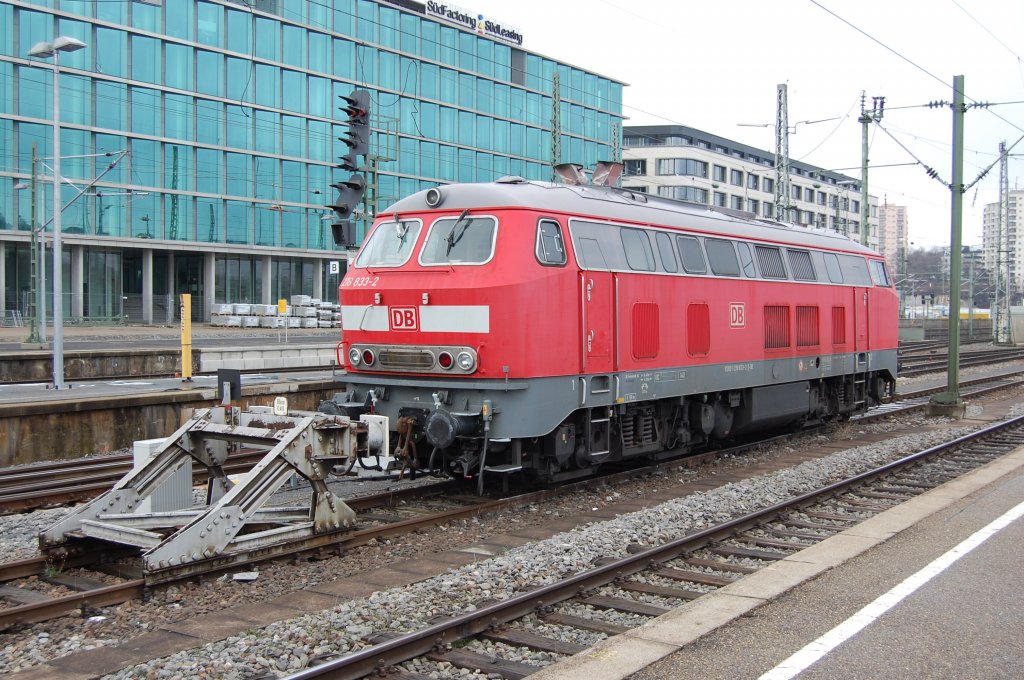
x=745, y=629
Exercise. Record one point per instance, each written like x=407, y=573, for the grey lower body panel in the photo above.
x=536, y=406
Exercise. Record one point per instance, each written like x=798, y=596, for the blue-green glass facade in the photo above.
x=230, y=116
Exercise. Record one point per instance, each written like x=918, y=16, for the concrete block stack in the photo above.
x=303, y=312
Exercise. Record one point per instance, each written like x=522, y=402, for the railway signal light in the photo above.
x=351, y=191
x=357, y=106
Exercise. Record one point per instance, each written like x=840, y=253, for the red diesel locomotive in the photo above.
x=543, y=329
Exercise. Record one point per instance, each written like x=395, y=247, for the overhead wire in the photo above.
x=1020, y=62
x=911, y=62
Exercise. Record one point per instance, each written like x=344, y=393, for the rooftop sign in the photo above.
x=474, y=22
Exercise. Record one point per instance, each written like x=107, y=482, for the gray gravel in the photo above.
x=287, y=645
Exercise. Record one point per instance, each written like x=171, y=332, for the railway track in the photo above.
x=392, y=513
x=650, y=582
x=56, y=483
x=938, y=362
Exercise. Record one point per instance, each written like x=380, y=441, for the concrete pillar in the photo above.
x=147, y=286
x=3, y=277
x=209, y=284
x=318, y=279
x=268, y=287
x=172, y=299
x=78, y=283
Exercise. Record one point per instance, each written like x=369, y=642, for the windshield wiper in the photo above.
x=451, y=239
x=402, y=229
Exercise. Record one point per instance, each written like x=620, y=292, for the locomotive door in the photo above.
x=597, y=300
x=860, y=319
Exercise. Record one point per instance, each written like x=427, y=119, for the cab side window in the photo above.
x=550, y=246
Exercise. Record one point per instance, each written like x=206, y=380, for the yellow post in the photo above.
x=282, y=310
x=186, y=336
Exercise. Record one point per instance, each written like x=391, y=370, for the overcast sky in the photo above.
x=714, y=65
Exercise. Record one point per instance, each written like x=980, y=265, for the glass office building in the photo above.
x=229, y=114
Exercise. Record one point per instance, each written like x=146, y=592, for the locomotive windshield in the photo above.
x=466, y=239
x=390, y=244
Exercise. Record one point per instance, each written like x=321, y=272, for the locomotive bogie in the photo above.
x=523, y=327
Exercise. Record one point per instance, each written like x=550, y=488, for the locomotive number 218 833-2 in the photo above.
x=360, y=282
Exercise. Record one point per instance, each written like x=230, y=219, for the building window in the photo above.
x=753, y=206
x=636, y=166
x=718, y=173
x=855, y=206
x=822, y=198
x=753, y=181
x=796, y=192
x=768, y=185
x=736, y=177
x=736, y=202
x=809, y=195
x=691, y=194
x=682, y=166
x=768, y=209
x=720, y=199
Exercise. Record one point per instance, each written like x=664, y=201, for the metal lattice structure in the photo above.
x=782, y=187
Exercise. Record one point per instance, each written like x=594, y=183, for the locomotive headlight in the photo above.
x=369, y=357
x=434, y=197
x=445, y=360
x=354, y=356
x=466, y=361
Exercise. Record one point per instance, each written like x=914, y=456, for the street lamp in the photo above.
x=45, y=50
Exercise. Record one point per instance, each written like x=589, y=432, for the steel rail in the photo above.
x=397, y=650
x=339, y=541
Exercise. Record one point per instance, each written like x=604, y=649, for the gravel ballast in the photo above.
x=288, y=645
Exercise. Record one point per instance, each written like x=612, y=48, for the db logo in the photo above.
x=737, y=319
x=404, y=318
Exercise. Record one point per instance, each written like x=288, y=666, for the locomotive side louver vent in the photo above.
x=645, y=330
x=698, y=330
x=776, y=326
x=807, y=327
x=839, y=325
x=770, y=259
x=801, y=265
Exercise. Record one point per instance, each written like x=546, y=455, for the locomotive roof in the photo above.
x=616, y=204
